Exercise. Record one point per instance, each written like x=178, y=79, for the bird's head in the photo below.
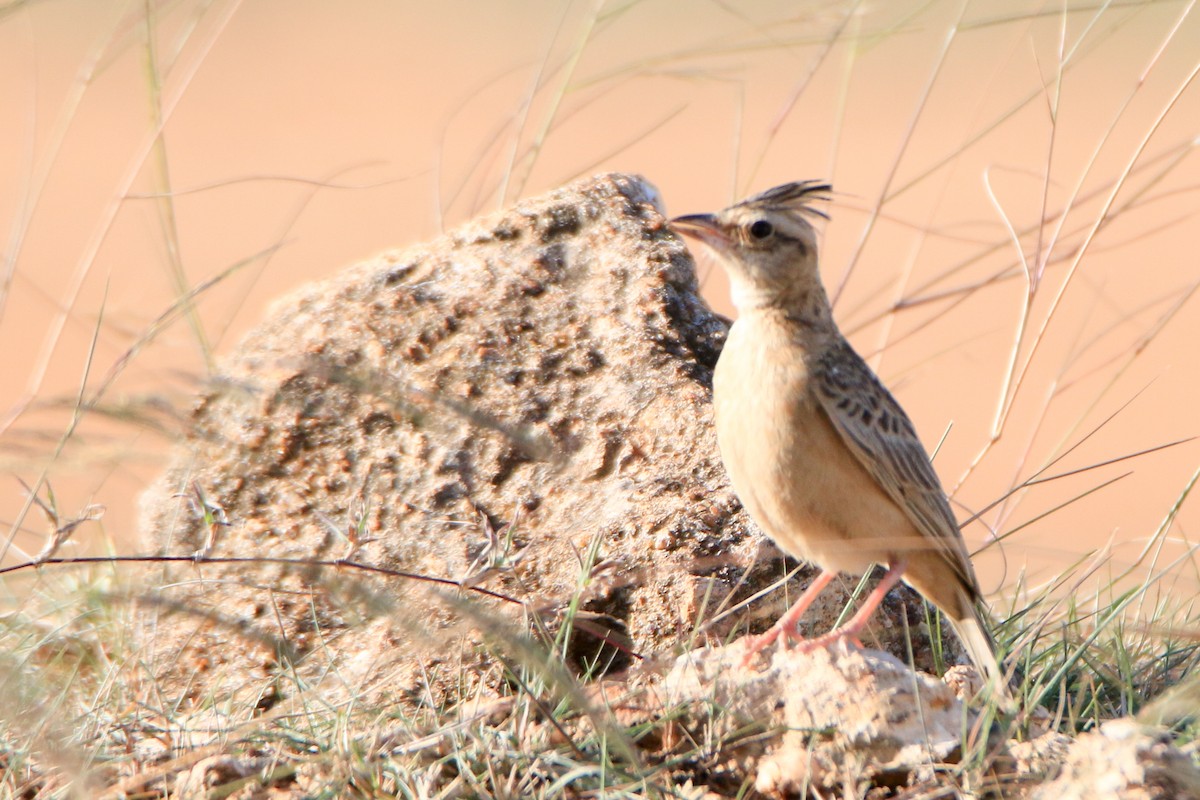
x=766, y=243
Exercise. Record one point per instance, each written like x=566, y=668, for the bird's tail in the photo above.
x=972, y=630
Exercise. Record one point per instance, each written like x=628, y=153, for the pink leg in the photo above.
x=854, y=627
x=786, y=625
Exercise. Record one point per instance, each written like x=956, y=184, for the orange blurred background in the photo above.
x=297, y=138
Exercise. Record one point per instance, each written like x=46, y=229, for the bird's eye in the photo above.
x=762, y=229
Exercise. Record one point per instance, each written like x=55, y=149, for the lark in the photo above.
x=821, y=455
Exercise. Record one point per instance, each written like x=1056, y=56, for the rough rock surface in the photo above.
x=521, y=406
x=1124, y=761
x=848, y=717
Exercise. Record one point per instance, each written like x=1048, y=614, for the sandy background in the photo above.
x=299, y=137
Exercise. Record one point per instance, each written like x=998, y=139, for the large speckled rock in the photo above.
x=521, y=406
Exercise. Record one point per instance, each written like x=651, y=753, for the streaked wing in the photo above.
x=881, y=436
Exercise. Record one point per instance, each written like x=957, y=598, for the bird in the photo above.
x=819, y=453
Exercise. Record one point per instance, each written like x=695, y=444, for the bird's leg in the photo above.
x=854, y=627
x=785, y=627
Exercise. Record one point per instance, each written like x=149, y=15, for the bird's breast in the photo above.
x=763, y=416
x=786, y=461
x=760, y=385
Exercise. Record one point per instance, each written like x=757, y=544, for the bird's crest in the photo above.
x=796, y=197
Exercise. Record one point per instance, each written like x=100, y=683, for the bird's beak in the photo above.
x=703, y=227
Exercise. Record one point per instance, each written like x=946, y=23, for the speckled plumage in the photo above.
x=819, y=452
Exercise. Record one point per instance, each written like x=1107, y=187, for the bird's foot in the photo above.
x=754, y=644
x=784, y=634
x=846, y=635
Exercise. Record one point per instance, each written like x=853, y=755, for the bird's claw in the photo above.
x=830, y=639
x=778, y=633
x=789, y=639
